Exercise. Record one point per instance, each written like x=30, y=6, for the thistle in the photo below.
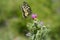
x=37, y=29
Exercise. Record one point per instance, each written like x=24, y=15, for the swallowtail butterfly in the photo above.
x=26, y=10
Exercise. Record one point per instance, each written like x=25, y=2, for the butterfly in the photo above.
x=26, y=10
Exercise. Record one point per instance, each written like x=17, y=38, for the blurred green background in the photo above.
x=12, y=24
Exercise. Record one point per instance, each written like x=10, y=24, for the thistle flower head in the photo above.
x=34, y=16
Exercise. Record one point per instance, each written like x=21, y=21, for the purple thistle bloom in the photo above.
x=34, y=16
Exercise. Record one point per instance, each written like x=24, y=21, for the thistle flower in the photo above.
x=34, y=16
